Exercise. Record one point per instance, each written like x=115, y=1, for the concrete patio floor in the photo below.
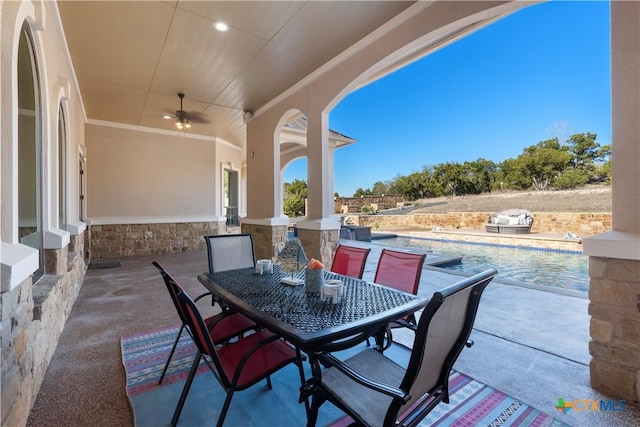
x=529, y=343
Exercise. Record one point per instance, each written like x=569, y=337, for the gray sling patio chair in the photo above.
x=230, y=252
x=375, y=391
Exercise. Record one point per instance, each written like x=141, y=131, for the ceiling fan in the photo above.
x=184, y=119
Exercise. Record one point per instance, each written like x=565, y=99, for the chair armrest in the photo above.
x=330, y=360
x=406, y=324
x=202, y=296
x=213, y=320
x=223, y=307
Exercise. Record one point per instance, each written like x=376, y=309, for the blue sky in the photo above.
x=542, y=72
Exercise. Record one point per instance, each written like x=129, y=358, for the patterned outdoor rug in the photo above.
x=472, y=403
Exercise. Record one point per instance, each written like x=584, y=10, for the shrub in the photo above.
x=571, y=178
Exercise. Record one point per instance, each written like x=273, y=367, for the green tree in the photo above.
x=380, y=188
x=481, y=174
x=451, y=178
x=584, y=149
x=508, y=176
x=543, y=163
x=588, y=155
x=571, y=178
x=360, y=192
x=295, y=193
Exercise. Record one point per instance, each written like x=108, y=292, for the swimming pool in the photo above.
x=558, y=269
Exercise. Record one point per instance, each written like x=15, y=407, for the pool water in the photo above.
x=559, y=269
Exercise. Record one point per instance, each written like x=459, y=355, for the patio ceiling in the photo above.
x=132, y=57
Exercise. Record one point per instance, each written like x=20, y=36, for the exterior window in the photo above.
x=29, y=152
x=231, y=197
x=62, y=170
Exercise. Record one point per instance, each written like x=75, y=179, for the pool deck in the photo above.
x=530, y=342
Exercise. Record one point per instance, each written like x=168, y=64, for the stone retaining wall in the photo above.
x=582, y=224
x=118, y=240
x=347, y=205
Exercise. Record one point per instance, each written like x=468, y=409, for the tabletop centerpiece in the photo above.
x=314, y=276
x=291, y=259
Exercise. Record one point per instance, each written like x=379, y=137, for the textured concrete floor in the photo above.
x=85, y=382
x=531, y=344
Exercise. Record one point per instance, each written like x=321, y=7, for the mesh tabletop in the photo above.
x=305, y=311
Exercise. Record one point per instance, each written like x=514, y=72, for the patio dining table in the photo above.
x=304, y=319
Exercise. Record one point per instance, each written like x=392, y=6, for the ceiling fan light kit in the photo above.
x=182, y=124
x=183, y=119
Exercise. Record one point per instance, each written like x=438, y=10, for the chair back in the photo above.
x=200, y=334
x=230, y=252
x=443, y=331
x=350, y=261
x=400, y=270
x=174, y=289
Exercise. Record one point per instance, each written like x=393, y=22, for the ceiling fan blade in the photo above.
x=198, y=118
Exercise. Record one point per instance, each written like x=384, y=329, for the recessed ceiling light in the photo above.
x=167, y=117
x=221, y=26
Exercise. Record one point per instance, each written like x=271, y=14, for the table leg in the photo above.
x=310, y=387
x=380, y=336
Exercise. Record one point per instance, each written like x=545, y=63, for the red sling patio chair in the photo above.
x=222, y=327
x=350, y=260
x=402, y=271
x=237, y=365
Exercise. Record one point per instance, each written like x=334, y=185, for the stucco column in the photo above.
x=319, y=169
x=319, y=233
x=614, y=257
x=264, y=220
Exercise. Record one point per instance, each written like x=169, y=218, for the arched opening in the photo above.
x=294, y=192
x=30, y=231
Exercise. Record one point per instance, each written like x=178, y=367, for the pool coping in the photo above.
x=534, y=241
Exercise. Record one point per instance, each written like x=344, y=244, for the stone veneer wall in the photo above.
x=544, y=222
x=118, y=240
x=33, y=317
x=614, y=292
x=320, y=244
x=266, y=238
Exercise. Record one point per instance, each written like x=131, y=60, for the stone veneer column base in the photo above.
x=266, y=238
x=614, y=291
x=319, y=244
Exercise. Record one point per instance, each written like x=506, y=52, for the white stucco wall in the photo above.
x=142, y=176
